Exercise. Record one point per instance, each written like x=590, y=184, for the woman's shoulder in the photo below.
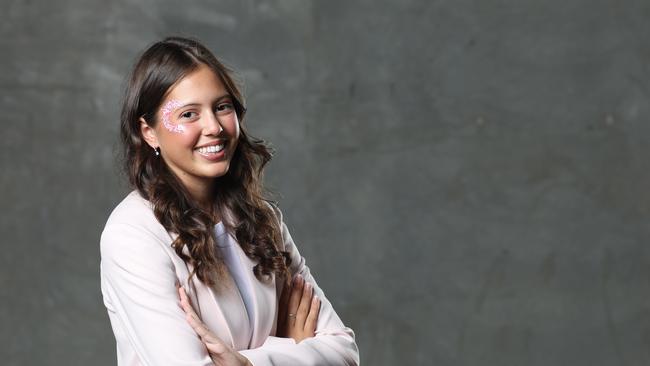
x=132, y=225
x=133, y=241
x=275, y=209
x=137, y=212
x=132, y=208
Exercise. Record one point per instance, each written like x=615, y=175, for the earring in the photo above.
x=157, y=150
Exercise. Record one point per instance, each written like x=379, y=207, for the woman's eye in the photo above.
x=225, y=107
x=187, y=115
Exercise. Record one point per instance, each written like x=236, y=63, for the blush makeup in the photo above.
x=165, y=113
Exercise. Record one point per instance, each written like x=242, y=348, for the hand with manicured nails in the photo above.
x=298, y=312
x=221, y=354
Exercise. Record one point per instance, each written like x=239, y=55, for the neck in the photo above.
x=203, y=194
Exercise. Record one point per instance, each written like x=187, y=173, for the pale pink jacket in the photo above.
x=140, y=273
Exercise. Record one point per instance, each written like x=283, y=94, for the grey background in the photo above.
x=467, y=179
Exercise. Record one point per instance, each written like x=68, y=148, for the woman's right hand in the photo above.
x=298, y=312
x=220, y=353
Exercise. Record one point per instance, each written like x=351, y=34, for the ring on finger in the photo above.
x=292, y=315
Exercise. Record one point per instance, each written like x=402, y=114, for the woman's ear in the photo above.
x=149, y=134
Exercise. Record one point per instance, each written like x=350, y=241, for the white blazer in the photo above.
x=140, y=272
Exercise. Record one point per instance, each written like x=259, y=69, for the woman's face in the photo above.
x=196, y=129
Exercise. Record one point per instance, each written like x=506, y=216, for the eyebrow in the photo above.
x=196, y=104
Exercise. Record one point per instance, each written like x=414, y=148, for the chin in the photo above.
x=216, y=172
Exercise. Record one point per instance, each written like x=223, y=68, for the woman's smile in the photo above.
x=213, y=151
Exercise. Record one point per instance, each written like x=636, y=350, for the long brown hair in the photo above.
x=239, y=192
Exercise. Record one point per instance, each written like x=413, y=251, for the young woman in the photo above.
x=197, y=266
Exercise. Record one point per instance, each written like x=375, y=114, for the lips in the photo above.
x=212, y=143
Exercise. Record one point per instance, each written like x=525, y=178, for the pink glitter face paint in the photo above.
x=165, y=113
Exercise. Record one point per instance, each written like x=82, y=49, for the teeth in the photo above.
x=211, y=149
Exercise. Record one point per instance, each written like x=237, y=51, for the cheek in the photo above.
x=187, y=138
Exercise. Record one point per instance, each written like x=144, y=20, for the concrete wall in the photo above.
x=467, y=179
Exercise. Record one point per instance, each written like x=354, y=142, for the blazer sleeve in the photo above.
x=139, y=286
x=333, y=343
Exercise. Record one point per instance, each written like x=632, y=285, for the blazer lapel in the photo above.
x=208, y=306
x=264, y=302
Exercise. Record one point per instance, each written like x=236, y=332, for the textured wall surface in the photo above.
x=468, y=180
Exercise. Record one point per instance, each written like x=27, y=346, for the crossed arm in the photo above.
x=297, y=319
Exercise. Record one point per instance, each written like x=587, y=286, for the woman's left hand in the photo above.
x=221, y=354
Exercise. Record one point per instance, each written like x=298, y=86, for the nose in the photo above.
x=212, y=125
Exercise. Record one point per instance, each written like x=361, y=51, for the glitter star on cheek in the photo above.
x=165, y=111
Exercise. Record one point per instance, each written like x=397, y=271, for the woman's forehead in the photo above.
x=198, y=87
